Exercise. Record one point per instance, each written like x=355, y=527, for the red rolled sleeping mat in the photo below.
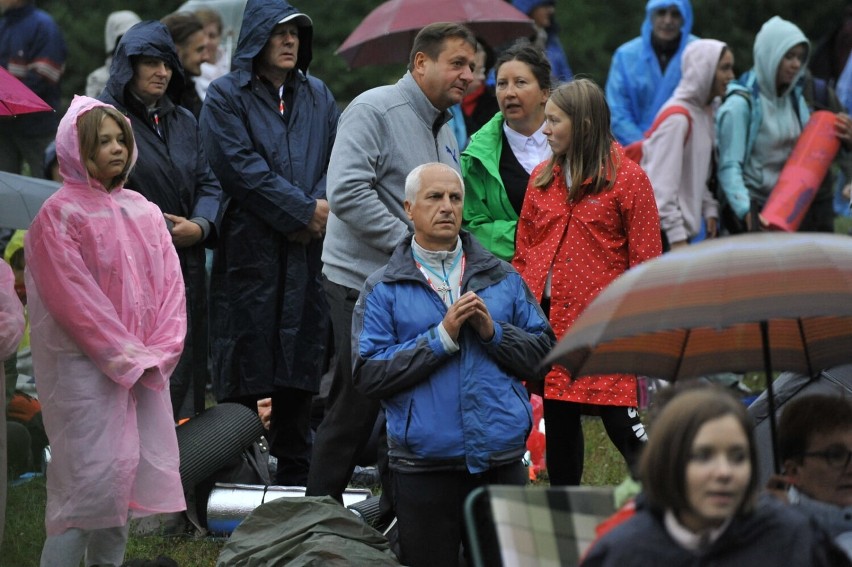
x=802, y=174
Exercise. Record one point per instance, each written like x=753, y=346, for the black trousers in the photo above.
x=430, y=511
x=349, y=415
x=565, y=443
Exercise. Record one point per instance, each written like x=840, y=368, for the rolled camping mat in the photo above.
x=214, y=438
x=368, y=510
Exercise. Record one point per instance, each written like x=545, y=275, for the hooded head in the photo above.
x=682, y=6
x=775, y=38
x=698, y=70
x=259, y=19
x=148, y=39
x=72, y=166
x=117, y=25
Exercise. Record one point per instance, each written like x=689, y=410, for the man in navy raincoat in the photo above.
x=268, y=128
x=172, y=172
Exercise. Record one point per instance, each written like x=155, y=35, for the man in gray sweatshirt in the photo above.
x=382, y=135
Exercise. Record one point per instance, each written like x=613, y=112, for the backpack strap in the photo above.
x=669, y=111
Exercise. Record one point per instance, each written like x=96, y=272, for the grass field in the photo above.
x=25, y=514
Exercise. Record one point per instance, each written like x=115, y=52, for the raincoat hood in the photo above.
x=698, y=70
x=527, y=6
x=775, y=38
x=71, y=165
x=685, y=9
x=150, y=39
x=259, y=18
x=117, y=25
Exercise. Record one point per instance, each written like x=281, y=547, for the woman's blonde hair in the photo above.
x=592, y=164
x=87, y=130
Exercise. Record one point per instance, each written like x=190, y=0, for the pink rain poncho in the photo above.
x=108, y=320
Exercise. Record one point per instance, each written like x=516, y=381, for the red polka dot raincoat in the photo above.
x=588, y=244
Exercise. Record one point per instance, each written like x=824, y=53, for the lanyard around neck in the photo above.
x=444, y=288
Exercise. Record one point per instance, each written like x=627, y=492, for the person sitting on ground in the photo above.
x=815, y=446
x=700, y=502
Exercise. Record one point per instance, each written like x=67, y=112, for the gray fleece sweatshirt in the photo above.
x=383, y=134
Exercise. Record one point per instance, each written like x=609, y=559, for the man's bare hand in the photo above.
x=469, y=307
x=264, y=411
x=300, y=236
x=316, y=227
x=184, y=232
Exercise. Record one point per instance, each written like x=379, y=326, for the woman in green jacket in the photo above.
x=496, y=180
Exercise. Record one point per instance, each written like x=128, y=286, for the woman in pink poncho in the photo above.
x=107, y=314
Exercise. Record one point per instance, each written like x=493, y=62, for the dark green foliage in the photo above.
x=590, y=31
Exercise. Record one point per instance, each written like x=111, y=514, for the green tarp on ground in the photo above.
x=315, y=531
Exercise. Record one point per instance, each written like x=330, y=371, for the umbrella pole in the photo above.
x=767, y=368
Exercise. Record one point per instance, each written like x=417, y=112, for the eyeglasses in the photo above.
x=835, y=457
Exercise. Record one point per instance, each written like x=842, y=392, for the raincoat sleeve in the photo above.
x=46, y=57
x=167, y=340
x=732, y=125
x=11, y=314
x=243, y=173
x=319, y=190
x=663, y=162
x=641, y=220
x=497, y=235
x=76, y=302
x=353, y=174
x=625, y=120
x=383, y=365
x=521, y=344
x=208, y=192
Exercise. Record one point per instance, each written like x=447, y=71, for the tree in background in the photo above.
x=590, y=31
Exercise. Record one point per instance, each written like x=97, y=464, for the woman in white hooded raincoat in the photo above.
x=108, y=320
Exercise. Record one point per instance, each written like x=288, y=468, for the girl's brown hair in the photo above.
x=589, y=158
x=87, y=130
x=665, y=457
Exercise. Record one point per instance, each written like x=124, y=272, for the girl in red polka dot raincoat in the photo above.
x=588, y=216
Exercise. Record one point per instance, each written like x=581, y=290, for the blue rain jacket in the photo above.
x=636, y=86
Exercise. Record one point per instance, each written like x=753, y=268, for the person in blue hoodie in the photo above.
x=547, y=35
x=759, y=123
x=645, y=71
x=172, y=172
x=268, y=129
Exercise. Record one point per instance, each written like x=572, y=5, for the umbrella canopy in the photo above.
x=21, y=198
x=699, y=310
x=739, y=304
x=16, y=98
x=387, y=33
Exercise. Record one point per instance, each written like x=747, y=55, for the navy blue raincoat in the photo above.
x=269, y=315
x=173, y=173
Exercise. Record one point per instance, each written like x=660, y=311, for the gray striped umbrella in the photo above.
x=737, y=304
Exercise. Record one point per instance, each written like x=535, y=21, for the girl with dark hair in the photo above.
x=588, y=216
x=700, y=505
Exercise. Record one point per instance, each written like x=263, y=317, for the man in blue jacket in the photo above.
x=443, y=336
x=268, y=128
x=645, y=71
